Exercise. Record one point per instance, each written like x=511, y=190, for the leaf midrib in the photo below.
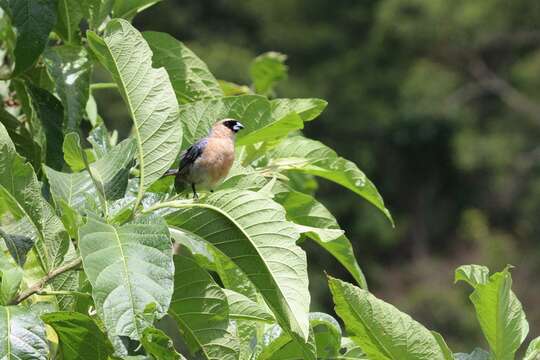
x=368, y=329
x=135, y=127
x=126, y=273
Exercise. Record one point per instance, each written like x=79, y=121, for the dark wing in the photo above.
x=188, y=157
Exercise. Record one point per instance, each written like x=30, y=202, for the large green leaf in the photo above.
x=70, y=68
x=252, y=231
x=110, y=175
x=147, y=92
x=20, y=192
x=189, y=75
x=22, y=335
x=382, y=331
x=129, y=268
x=70, y=13
x=79, y=336
x=34, y=20
x=298, y=153
x=321, y=226
x=50, y=112
x=500, y=314
x=267, y=70
x=252, y=111
x=200, y=308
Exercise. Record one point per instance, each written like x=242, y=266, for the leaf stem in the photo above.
x=36, y=288
x=169, y=204
x=102, y=86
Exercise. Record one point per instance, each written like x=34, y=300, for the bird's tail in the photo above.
x=171, y=172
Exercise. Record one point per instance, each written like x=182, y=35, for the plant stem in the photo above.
x=35, y=288
x=102, y=86
x=61, y=293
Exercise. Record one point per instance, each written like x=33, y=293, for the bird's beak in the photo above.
x=238, y=126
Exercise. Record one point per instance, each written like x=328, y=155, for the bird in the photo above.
x=208, y=161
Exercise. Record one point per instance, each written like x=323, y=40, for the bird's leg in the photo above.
x=195, y=196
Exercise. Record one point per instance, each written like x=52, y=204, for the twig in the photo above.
x=508, y=94
x=61, y=293
x=35, y=288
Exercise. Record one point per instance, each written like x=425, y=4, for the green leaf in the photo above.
x=22, y=335
x=73, y=155
x=70, y=13
x=200, y=308
x=129, y=267
x=110, y=175
x=21, y=193
x=70, y=69
x=320, y=225
x=11, y=281
x=477, y=354
x=307, y=109
x=500, y=315
x=242, y=308
x=252, y=111
x=275, y=129
x=34, y=20
x=147, y=92
x=159, y=345
x=100, y=140
x=252, y=231
x=381, y=330
x=22, y=139
x=533, y=351
x=129, y=8
x=50, y=113
x=327, y=333
x=351, y=351
x=18, y=246
x=79, y=336
x=98, y=11
x=233, y=89
x=267, y=70
x=313, y=157
x=472, y=274
x=190, y=77
x=278, y=345
x=442, y=344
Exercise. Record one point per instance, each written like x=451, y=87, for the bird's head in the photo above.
x=226, y=127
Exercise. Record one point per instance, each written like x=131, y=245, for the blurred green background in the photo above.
x=437, y=101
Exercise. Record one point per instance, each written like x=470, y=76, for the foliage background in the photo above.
x=436, y=100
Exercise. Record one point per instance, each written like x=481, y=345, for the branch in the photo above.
x=35, y=288
x=508, y=94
